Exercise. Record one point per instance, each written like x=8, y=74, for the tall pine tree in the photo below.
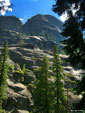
x=60, y=106
x=3, y=75
x=40, y=94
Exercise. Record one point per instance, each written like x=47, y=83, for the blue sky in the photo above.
x=25, y=9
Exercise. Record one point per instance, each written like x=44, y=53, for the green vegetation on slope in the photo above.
x=3, y=75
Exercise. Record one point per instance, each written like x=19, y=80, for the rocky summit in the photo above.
x=46, y=26
x=10, y=23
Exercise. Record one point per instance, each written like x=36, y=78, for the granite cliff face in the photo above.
x=10, y=23
x=40, y=25
x=19, y=91
x=44, y=25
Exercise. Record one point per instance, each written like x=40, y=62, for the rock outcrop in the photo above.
x=10, y=23
x=20, y=86
x=19, y=97
x=47, y=26
x=44, y=25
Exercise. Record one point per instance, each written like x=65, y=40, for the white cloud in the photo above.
x=1, y=0
x=10, y=9
x=3, y=12
x=21, y=19
x=65, y=17
x=6, y=4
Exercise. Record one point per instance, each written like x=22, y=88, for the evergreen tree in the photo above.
x=60, y=106
x=40, y=94
x=21, y=43
x=41, y=46
x=81, y=90
x=3, y=75
x=74, y=28
x=46, y=36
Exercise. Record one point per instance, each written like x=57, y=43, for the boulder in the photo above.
x=19, y=97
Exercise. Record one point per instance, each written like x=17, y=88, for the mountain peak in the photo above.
x=10, y=23
x=43, y=25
